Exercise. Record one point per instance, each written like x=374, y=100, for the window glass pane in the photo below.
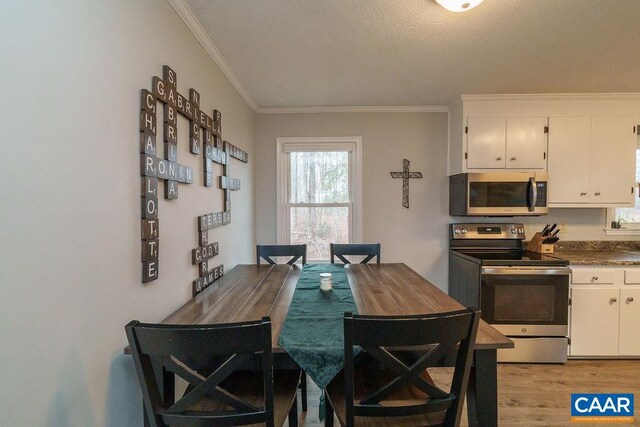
x=317, y=227
x=319, y=177
x=631, y=215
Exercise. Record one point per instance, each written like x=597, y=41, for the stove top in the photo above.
x=499, y=244
x=510, y=257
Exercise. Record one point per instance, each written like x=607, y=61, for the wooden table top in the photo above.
x=249, y=292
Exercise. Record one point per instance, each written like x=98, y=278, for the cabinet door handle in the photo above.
x=583, y=194
x=513, y=158
x=594, y=278
x=612, y=300
x=498, y=158
x=629, y=299
x=597, y=193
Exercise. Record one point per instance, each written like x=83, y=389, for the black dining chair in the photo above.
x=389, y=392
x=369, y=250
x=294, y=251
x=233, y=390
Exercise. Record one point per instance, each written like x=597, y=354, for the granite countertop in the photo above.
x=612, y=253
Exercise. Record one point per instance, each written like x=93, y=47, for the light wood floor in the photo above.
x=537, y=395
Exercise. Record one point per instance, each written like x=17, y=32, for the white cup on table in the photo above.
x=326, y=281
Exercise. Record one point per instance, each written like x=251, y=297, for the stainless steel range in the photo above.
x=522, y=294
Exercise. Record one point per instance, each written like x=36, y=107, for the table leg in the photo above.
x=482, y=393
x=293, y=413
x=303, y=390
x=328, y=417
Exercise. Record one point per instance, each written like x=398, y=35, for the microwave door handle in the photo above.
x=533, y=194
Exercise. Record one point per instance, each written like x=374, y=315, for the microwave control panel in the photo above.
x=541, y=188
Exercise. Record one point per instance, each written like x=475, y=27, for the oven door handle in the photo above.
x=549, y=271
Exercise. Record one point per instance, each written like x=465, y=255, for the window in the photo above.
x=319, y=193
x=628, y=218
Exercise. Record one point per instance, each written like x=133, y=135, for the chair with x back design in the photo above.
x=369, y=250
x=213, y=359
x=390, y=392
x=294, y=251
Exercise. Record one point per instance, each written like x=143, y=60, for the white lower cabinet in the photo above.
x=604, y=312
x=630, y=321
x=594, y=321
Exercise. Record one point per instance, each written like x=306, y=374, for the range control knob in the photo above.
x=514, y=231
x=521, y=230
x=456, y=231
x=463, y=231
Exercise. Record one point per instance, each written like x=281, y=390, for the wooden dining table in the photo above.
x=249, y=292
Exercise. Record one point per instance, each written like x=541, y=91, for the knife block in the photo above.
x=536, y=245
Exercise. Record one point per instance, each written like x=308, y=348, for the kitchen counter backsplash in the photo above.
x=598, y=245
x=597, y=252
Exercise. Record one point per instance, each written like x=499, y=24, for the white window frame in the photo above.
x=627, y=229
x=285, y=145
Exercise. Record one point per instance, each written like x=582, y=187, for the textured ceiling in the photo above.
x=414, y=52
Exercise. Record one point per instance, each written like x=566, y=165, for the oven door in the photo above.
x=507, y=194
x=526, y=301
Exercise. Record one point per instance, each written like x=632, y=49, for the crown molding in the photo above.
x=187, y=15
x=355, y=109
x=623, y=96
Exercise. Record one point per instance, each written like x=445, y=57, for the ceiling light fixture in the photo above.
x=458, y=5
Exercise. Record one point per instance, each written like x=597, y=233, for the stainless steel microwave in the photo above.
x=498, y=194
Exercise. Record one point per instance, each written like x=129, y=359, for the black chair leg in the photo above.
x=303, y=390
x=293, y=413
x=328, y=415
x=145, y=417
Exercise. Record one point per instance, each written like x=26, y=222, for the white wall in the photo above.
x=416, y=236
x=70, y=78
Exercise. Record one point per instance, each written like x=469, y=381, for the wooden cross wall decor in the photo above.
x=203, y=129
x=405, y=175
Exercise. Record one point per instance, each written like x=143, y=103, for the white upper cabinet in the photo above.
x=486, y=142
x=569, y=157
x=526, y=143
x=591, y=161
x=613, y=160
x=506, y=143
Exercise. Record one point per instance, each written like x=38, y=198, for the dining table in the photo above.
x=250, y=292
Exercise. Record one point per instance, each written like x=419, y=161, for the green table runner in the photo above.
x=313, y=331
